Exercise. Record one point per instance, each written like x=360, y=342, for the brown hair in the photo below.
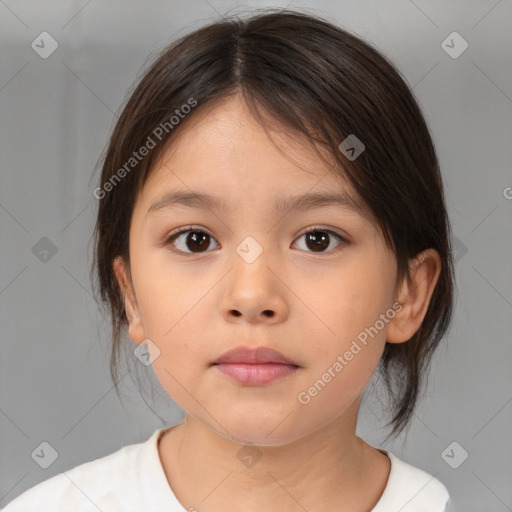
x=324, y=83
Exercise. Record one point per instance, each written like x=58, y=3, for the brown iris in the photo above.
x=317, y=240
x=198, y=239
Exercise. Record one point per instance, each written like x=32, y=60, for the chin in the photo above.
x=263, y=432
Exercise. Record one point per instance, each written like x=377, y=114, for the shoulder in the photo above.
x=410, y=489
x=103, y=482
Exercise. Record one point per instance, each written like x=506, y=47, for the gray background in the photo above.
x=56, y=116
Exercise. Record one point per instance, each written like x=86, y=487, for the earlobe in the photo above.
x=135, y=327
x=414, y=295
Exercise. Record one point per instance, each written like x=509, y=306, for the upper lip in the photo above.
x=257, y=355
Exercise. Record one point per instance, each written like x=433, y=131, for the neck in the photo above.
x=328, y=469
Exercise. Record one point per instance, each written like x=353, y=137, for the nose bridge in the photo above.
x=254, y=291
x=251, y=261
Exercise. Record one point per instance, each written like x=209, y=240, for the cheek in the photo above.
x=182, y=360
x=349, y=330
x=165, y=292
x=342, y=367
x=349, y=301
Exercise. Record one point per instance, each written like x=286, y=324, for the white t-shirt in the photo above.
x=133, y=479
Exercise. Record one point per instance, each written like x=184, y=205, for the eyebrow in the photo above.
x=282, y=205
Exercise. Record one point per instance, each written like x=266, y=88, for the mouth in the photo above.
x=256, y=374
x=255, y=367
x=259, y=355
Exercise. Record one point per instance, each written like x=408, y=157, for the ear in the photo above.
x=414, y=295
x=135, y=327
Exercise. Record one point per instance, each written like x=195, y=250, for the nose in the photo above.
x=255, y=293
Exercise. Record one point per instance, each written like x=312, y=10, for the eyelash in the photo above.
x=175, y=234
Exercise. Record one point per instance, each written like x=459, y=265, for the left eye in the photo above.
x=198, y=241
x=319, y=239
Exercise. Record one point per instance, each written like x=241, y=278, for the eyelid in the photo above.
x=328, y=229
x=187, y=228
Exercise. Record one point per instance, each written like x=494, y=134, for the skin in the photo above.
x=196, y=306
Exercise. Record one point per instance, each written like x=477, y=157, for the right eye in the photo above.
x=197, y=241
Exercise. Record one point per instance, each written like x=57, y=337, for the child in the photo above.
x=272, y=226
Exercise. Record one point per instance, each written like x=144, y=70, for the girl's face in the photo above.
x=253, y=278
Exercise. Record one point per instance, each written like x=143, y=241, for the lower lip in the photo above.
x=256, y=374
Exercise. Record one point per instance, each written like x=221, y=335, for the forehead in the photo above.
x=226, y=152
x=230, y=132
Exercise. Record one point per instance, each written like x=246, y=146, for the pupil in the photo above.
x=319, y=240
x=198, y=238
